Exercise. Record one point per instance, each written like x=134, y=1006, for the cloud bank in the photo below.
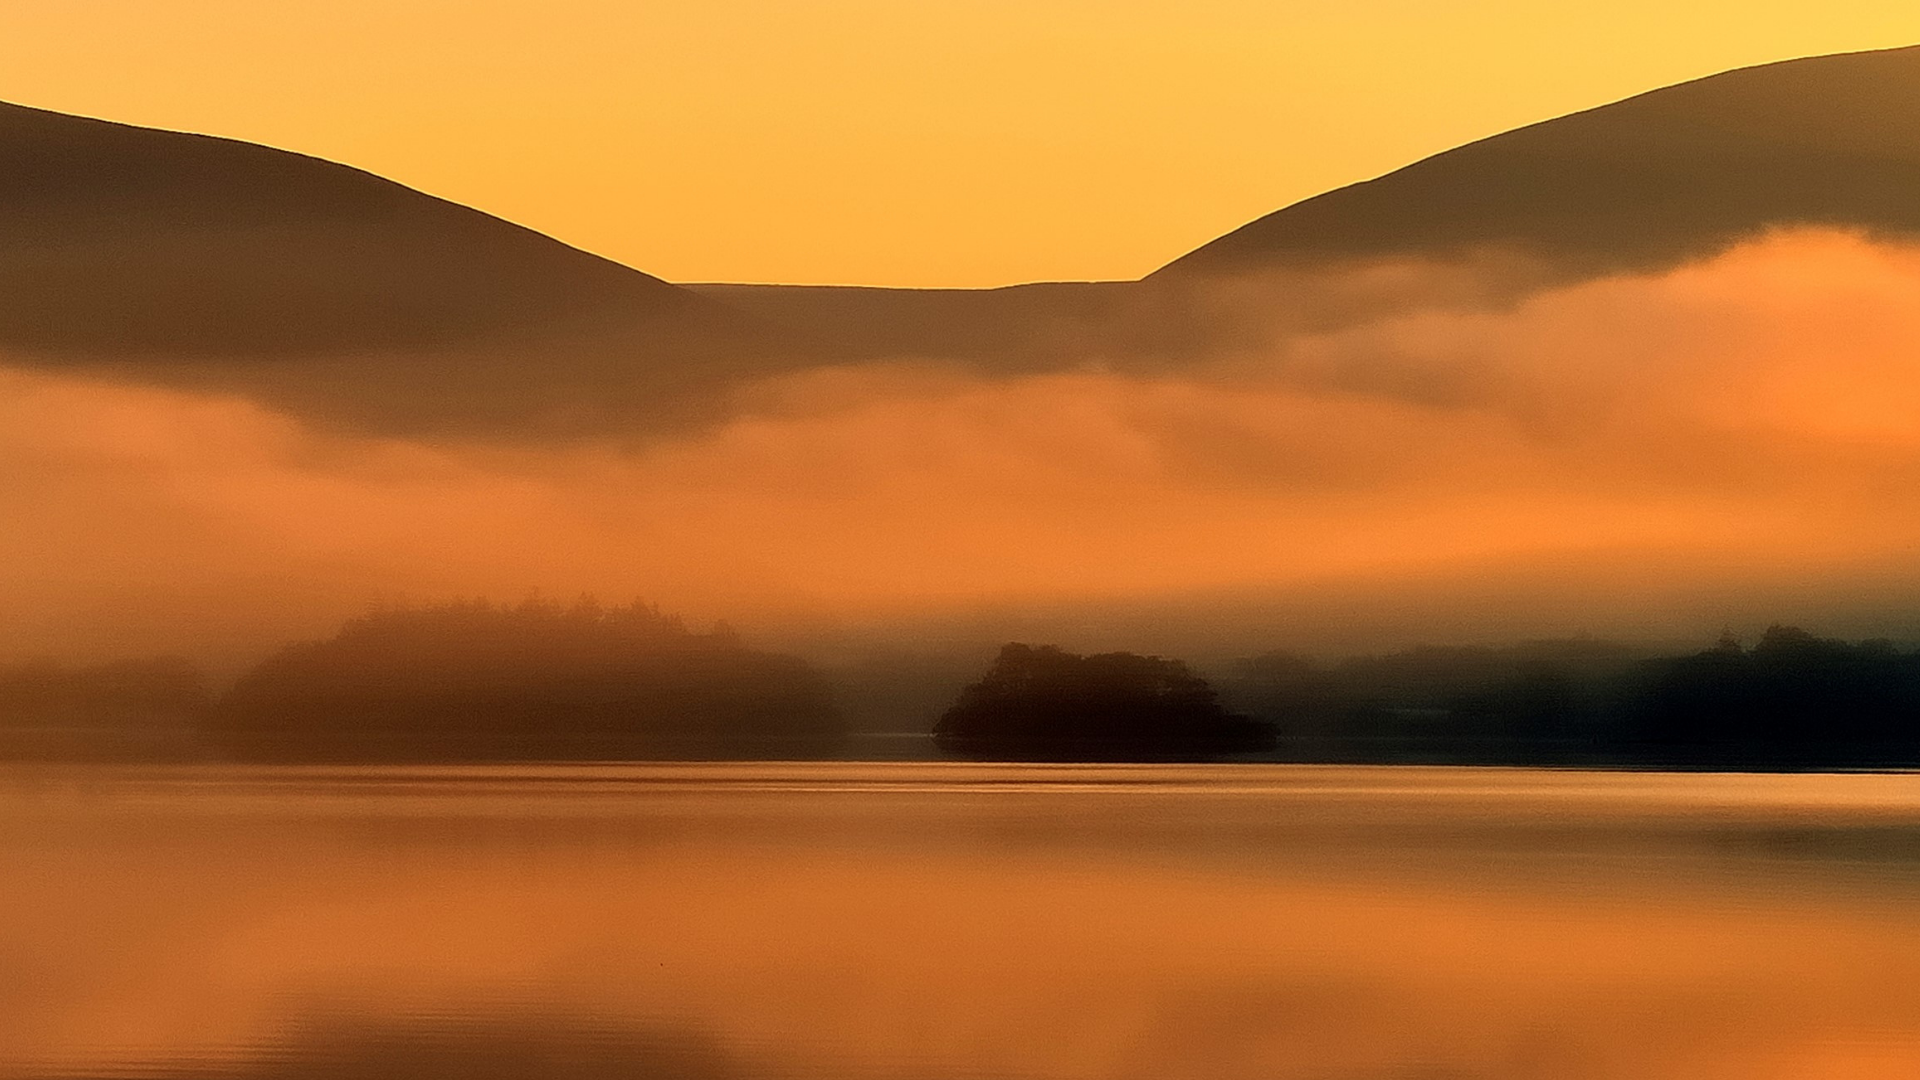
x=1749, y=424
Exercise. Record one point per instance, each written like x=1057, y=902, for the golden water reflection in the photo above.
x=915, y=920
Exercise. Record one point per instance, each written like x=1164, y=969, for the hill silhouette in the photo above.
x=1644, y=183
x=1678, y=172
x=1020, y=328
x=204, y=262
x=1640, y=184
x=138, y=240
x=209, y=262
x=532, y=682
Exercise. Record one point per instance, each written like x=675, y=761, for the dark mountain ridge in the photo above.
x=136, y=240
x=1657, y=178
x=1641, y=184
x=209, y=263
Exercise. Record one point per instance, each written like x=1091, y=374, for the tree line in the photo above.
x=475, y=681
x=1791, y=700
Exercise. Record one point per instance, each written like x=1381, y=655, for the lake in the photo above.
x=932, y=920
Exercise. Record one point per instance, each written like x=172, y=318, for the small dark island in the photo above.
x=1041, y=703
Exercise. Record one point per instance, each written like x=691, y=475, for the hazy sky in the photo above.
x=977, y=142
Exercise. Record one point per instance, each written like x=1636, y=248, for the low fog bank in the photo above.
x=1650, y=457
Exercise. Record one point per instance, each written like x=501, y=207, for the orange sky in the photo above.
x=880, y=141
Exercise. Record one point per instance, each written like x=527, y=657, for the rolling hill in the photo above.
x=1661, y=177
x=135, y=240
x=1640, y=184
x=209, y=263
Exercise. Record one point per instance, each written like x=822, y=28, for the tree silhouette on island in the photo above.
x=1041, y=703
x=529, y=682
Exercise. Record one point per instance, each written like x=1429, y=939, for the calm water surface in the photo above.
x=915, y=920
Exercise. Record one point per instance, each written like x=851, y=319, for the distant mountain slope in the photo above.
x=128, y=240
x=1640, y=184
x=1011, y=329
x=1678, y=172
x=210, y=263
